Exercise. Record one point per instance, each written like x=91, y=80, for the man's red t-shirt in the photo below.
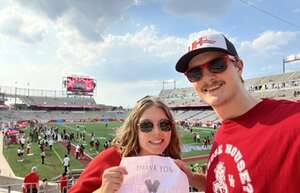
x=257, y=152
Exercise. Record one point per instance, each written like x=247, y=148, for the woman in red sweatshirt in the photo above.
x=148, y=130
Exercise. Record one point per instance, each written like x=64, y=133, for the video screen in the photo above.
x=80, y=85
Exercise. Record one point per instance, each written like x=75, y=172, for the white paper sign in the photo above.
x=152, y=174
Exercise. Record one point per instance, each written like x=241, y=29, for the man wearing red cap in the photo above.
x=31, y=181
x=256, y=149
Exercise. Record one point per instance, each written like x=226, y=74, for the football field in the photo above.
x=103, y=132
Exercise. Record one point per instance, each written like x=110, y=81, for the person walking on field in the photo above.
x=66, y=163
x=43, y=155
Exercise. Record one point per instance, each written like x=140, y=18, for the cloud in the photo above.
x=143, y=55
x=203, y=9
x=89, y=18
x=21, y=25
x=269, y=41
x=263, y=55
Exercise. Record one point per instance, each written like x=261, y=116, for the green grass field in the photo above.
x=53, y=164
x=52, y=167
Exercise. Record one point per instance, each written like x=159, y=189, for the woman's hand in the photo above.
x=112, y=179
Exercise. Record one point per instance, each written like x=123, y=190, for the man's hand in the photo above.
x=195, y=180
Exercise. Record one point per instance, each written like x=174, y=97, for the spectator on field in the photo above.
x=198, y=138
x=6, y=140
x=71, y=136
x=50, y=143
x=42, y=145
x=69, y=147
x=194, y=136
x=97, y=145
x=81, y=151
x=20, y=152
x=31, y=181
x=44, y=186
x=92, y=142
x=83, y=135
x=66, y=163
x=43, y=156
x=77, y=150
x=28, y=149
x=77, y=135
x=22, y=142
x=105, y=145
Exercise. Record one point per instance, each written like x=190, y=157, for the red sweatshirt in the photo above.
x=91, y=178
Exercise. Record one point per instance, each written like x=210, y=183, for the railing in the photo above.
x=51, y=187
x=45, y=187
x=15, y=92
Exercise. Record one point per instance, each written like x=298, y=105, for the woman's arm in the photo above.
x=91, y=178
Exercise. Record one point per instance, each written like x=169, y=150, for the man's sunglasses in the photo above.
x=217, y=65
x=147, y=125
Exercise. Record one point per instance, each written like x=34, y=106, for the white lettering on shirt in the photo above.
x=237, y=157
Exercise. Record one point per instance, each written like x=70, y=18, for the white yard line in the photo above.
x=57, y=155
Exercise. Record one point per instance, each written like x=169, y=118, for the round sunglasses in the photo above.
x=147, y=126
x=217, y=65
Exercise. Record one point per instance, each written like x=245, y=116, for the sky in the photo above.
x=131, y=46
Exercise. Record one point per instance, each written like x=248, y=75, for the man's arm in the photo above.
x=197, y=181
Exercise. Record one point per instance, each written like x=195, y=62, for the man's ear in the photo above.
x=239, y=65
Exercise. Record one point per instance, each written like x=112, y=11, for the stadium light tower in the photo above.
x=16, y=92
x=164, y=82
x=28, y=88
x=289, y=59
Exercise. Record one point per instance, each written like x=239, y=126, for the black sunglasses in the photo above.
x=217, y=65
x=147, y=125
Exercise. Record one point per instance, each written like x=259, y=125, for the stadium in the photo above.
x=71, y=120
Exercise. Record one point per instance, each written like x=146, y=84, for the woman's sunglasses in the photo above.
x=147, y=125
x=217, y=65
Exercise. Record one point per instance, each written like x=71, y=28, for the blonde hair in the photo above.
x=126, y=139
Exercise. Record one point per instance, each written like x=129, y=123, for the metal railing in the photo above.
x=44, y=187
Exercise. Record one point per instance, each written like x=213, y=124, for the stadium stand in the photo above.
x=46, y=105
x=3, y=106
x=58, y=101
